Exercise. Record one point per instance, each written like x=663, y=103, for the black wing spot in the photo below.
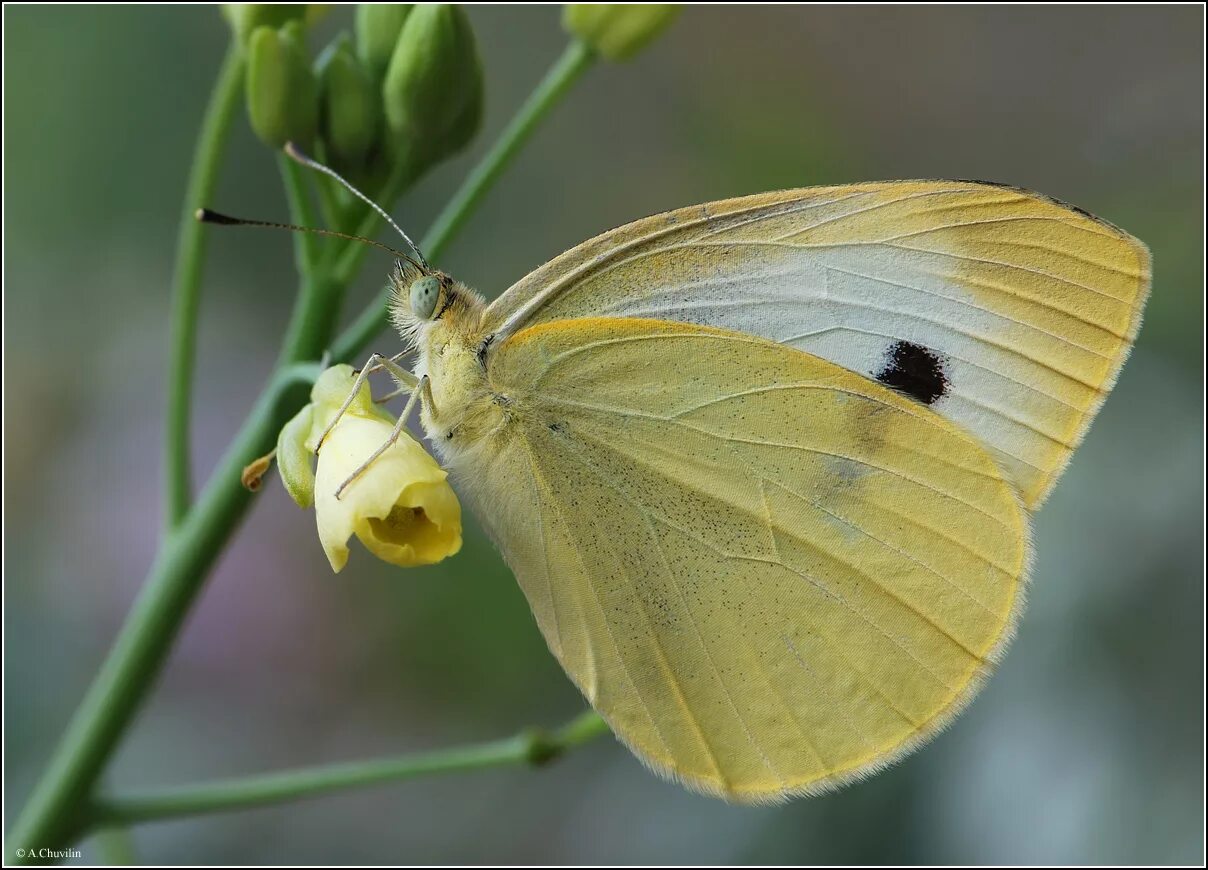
x=914, y=370
x=557, y=428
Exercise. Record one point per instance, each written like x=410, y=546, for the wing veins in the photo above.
x=967, y=362
x=990, y=311
x=885, y=203
x=549, y=584
x=700, y=639
x=616, y=647
x=1094, y=229
x=821, y=587
x=802, y=448
x=966, y=397
x=800, y=205
x=818, y=584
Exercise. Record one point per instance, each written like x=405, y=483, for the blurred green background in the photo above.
x=1087, y=745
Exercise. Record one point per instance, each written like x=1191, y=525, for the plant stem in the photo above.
x=116, y=846
x=347, y=258
x=51, y=816
x=329, y=202
x=186, y=282
x=567, y=70
x=306, y=245
x=575, y=61
x=529, y=747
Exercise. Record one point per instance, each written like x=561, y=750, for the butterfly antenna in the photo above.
x=209, y=216
x=296, y=153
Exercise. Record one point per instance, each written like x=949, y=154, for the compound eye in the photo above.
x=425, y=293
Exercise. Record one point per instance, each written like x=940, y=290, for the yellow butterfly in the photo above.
x=765, y=467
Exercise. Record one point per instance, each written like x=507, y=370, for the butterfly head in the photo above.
x=420, y=299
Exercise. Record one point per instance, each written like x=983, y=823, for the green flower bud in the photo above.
x=244, y=18
x=282, y=94
x=350, y=108
x=433, y=92
x=617, y=31
x=377, y=28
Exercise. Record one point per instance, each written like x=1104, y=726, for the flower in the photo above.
x=401, y=507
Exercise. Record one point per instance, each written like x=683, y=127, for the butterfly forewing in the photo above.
x=768, y=573
x=1002, y=310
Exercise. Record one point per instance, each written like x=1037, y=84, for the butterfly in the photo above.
x=765, y=468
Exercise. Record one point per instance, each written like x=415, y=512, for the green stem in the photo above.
x=529, y=747
x=347, y=258
x=306, y=245
x=116, y=847
x=567, y=70
x=310, y=326
x=575, y=61
x=51, y=815
x=329, y=201
x=186, y=282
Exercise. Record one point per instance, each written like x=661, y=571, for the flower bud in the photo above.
x=350, y=109
x=377, y=28
x=433, y=91
x=244, y=18
x=282, y=94
x=617, y=31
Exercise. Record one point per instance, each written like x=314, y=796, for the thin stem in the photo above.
x=567, y=70
x=186, y=282
x=116, y=846
x=306, y=245
x=346, y=259
x=51, y=816
x=329, y=201
x=575, y=61
x=530, y=747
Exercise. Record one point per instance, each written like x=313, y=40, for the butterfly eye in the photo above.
x=424, y=295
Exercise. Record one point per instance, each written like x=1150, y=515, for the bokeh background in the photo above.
x=1086, y=747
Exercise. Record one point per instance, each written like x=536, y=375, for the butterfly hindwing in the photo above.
x=1002, y=310
x=768, y=573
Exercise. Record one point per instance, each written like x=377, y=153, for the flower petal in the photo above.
x=294, y=461
x=330, y=391
x=401, y=507
x=423, y=528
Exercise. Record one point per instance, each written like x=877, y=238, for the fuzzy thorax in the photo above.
x=461, y=409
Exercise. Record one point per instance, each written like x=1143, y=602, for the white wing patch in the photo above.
x=1027, y=307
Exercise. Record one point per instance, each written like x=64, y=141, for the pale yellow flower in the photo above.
x=401, y=507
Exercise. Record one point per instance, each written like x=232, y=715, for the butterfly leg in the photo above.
x=406, y=387
x=426, y=387
x=376, y=363
x=398, y=428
